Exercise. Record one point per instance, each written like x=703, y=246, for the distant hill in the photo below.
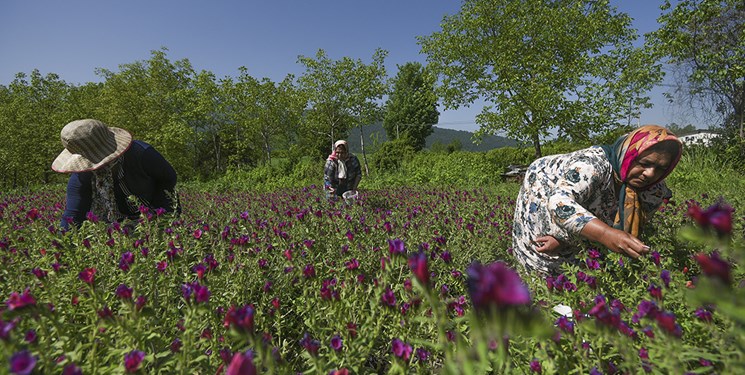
x=375, y=135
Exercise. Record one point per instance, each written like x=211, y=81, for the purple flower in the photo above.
x=241, y=318
x=401, y=349
x=309, y=271
x=30, y=336
x=418, y=265
x=176, y=345
x=396, y=247
x=496, y=285
x=535, y=366
x=310, y=344
x=718, y=216
x=655, y=291
x=336, y=343
x=665, y=277
x=5, y=328
x=132, y=360
x=124, y=292
x=22, y=363
x=39, y=273
x=18, y=301
x=388, y=298
x=422, y=355
x=666, y=321
x=565, y=324
x=72, y=369
x=88, y=276
x=242, y=364
x=703, y=314
x=655, y=258
x=714, y=266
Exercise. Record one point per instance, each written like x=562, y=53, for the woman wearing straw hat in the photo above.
x=107, y=167
x=342, y=172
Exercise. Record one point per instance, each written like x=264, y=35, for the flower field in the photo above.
x=401, y=281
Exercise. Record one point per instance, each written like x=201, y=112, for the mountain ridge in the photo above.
x=375, y=135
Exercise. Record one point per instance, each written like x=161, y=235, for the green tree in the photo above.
x=151, y=99
x=706, y=40
x=241, y=138
x=341, y=94
x=411, y=109
x=539, y=65
x=33, y=110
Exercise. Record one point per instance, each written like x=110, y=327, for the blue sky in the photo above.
x=74, y=37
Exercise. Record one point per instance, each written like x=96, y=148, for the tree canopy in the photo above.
x=411, y=109
x=705, y=40
x=567, y=66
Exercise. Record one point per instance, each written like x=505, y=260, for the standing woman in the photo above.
x=342, y=172
x=107, y=167
x=602, y=193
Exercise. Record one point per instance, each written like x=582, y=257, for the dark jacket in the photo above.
x=147, y=175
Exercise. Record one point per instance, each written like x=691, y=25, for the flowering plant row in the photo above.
x=400, y=281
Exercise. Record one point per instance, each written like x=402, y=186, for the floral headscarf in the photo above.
x=621, y=155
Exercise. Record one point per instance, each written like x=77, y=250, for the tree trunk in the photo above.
x=537, y=146
x=742, y=109
x=267, y=149
x=362, y=145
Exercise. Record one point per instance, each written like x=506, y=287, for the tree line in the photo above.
x=566, y=67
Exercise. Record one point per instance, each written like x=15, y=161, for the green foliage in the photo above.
x=411, y=109
x=705, y=39
x=392, y=154
x=341, y=94
x=539, y=66
x=255, y=249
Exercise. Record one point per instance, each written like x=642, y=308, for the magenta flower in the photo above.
x=496, y=285
x=336, y=343
x=72, y=369
x=401, y=349
x=22, y=363
x=242, y=364
x=30, y=336
x=665, y=277
x=88, y=276
x=703, y=313
x=422, y=355
x=310, y=344
x=241, y=318
x=565, y=324
x=133, y=360
x=39, y=273
x=418, y=265
x=309, y=271
x=176, y=345
x=124, y=292
x=18, y=301
x=718, y=217
x=388, y=298
x=655, y=291
x=396, y=247
x=535, y=366
x=666, y=321
x=714, y=266
x=161, y=266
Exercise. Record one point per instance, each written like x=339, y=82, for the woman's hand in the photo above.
x=547, y=245
x=616, y=240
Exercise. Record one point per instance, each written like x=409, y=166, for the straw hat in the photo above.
x=90, y=144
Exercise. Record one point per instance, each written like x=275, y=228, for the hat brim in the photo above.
x=67, y=162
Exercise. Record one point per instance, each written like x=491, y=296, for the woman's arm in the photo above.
x=78, y=200
x=614, y=239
